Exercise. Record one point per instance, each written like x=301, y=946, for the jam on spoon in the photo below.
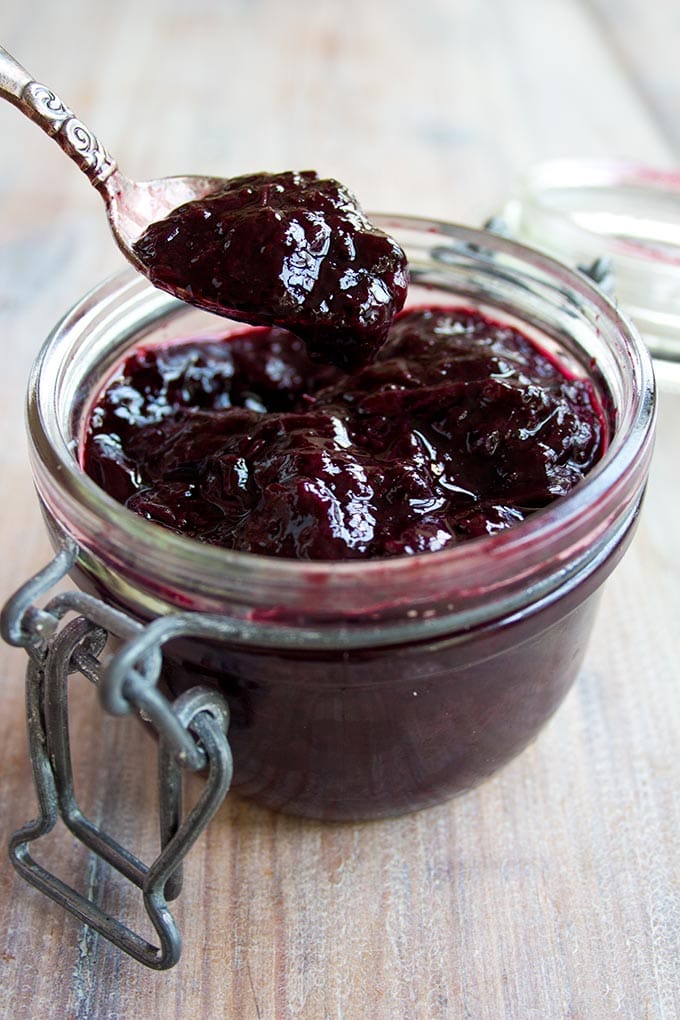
x=285, y=249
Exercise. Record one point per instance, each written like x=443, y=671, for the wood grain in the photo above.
x=552, y=890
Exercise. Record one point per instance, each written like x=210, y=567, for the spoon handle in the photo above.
x=43, y=106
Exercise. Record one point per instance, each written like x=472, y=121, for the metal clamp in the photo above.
x=600, y=271
x=192, y=734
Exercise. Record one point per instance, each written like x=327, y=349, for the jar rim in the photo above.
x=206, y=576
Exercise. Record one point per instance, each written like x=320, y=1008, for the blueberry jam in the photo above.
x=460, y=427
x=288, y=250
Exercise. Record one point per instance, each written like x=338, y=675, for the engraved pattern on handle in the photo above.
x=46, y=108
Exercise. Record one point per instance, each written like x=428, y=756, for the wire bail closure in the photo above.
x=192, y=734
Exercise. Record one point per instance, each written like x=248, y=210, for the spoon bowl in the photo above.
x=133, y=205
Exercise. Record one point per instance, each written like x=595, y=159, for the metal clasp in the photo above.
x=192, y=735
x=600, y=271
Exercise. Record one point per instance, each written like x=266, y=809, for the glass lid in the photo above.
x=582, y=210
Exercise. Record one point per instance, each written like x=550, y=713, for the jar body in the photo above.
x=369, y=689
x=375, y=733
x=360, y=733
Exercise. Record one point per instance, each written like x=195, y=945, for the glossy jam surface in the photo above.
x=460, y=427
x=284, y=249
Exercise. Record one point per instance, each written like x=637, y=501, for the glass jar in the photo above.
x=366, y=689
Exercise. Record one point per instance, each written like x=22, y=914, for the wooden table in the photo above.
x=550, y=892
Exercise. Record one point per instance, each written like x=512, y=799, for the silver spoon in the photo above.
x=131, y=205
x=366, y=267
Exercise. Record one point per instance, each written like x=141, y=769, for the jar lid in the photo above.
x=581, y=210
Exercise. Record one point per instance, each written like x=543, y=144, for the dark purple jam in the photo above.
x=288, y=250
x=460, y=427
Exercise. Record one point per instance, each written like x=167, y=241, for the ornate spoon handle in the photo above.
x=41, y=105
